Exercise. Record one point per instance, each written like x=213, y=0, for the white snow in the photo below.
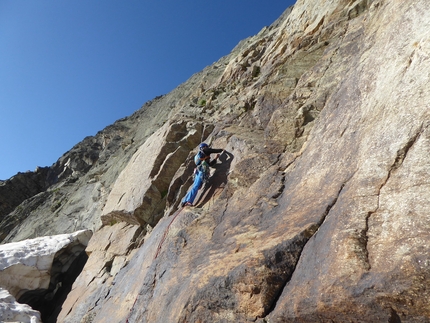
x=26, y=265
x=12, y=311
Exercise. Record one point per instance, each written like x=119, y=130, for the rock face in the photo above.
x=317, y=210
x=80, y=181
x=140, y=190
x=19, y=188
x=109, y=251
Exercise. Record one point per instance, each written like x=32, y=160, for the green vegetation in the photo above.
x=164, y=193
x=55, y=206
x=256, y=71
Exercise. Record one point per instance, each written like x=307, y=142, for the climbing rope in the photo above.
x=165, y=233
x=129, y=314
x=156, y=255
x=203, y=132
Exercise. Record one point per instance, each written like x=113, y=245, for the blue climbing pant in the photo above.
x=198, y=181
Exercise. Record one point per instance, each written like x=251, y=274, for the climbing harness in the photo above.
x=204, y=169
x=200, y=157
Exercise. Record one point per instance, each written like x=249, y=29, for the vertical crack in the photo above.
x=281, y=187
x=402, y=153
x=331, y=205
x=283, y=259
x=365, y=239
x=398, y=161
x=221, y=218
x=394, y=317
x=334, y=201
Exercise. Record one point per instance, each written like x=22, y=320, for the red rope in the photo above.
x=156, y=254
x=129, y=314
x=165, y=234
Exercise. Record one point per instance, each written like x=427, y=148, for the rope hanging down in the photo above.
x=165, y=234
x=156, y=255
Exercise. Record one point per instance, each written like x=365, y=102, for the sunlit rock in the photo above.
x=138, y=196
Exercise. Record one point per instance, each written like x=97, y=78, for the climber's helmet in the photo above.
x=203, y=146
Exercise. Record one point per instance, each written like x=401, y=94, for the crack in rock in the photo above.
x=147, y=291
x=281, y=188
x=283, y=260
x=221, y=219
x=398, y=161
x=402, y=153
x=365, y=240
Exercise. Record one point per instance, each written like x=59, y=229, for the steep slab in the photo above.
x=367, y=261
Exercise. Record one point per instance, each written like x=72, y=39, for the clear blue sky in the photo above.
x=69, y=68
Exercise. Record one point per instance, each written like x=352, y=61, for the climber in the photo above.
x=201, y=172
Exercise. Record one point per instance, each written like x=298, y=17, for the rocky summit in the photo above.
x=316, y=211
